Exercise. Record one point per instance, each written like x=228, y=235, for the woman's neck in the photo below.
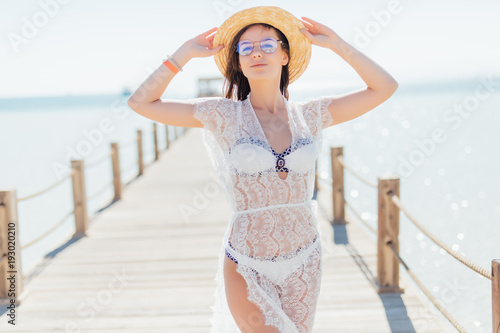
x=265, y=97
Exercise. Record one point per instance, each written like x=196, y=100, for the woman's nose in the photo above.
x=257, y=53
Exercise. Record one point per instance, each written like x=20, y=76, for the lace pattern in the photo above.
x=273, y=217
x=316, y=113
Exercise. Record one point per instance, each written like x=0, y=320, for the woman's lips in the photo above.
x=260, y=65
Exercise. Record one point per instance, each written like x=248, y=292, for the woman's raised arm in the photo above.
x=146, y=100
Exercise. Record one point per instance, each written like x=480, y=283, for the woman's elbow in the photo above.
x=391, y=87
x=133, y=103
x=394, y=84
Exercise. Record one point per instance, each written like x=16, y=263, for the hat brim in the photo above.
x=289, y=25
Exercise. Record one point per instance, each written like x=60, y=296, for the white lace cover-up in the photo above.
x=273, y=233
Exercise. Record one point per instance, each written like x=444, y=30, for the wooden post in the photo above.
x=10, y=248
x=140, y=157
x=79, y=198
x=495, y=294
x=337, y=186
x=155, y=139
x=117, y=178
x=167, y=138
x=388, y=231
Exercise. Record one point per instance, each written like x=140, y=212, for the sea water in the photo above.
x=442, y=142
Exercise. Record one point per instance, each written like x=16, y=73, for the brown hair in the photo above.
x=236, y=86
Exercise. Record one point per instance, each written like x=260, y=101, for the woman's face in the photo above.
x=271, y=62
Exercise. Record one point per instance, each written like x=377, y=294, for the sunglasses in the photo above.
x=267, y=45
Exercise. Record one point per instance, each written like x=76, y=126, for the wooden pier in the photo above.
x=148, y=264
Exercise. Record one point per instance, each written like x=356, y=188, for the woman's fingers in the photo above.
x=204, y=43
x=311, y=20
x=312, y=25
x=206, y=33
x=211, y=40
x=307, y=24
x=208, y=37
x=218, y=48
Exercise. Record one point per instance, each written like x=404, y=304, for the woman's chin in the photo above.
x=260, y=76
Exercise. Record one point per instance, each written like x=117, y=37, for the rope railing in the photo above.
x=48, y=188
x=464, y=260
x=388, y=258
x=98, y=161
x=9, y=200
x=323, y=187
x=427, y=293
x=372, y=229
x=129, y=167
x=477, y=268
x=128, y=144
x=357, y=175
x=99, y=192
x=48, y=231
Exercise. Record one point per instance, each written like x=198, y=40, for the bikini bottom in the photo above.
x=276, y=268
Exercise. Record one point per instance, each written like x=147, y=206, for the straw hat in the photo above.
x=289, y=25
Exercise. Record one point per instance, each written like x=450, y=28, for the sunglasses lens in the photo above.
x=268, y=45
x=245, y=47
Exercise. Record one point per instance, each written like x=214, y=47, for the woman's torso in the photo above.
x=273, y=216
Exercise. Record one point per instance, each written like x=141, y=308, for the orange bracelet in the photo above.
x=171, y=66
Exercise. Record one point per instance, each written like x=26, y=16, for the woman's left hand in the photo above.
x=319, y=34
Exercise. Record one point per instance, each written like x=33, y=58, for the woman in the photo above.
x=264, y=148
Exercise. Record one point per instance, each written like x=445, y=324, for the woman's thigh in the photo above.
x=247, y=314
x=301, y=292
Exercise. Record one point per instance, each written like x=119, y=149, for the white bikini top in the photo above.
x=250, y=155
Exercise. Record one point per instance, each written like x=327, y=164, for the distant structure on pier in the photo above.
x=210, y=86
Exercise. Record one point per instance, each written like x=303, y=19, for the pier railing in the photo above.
x=387, y=232
x=10, y=247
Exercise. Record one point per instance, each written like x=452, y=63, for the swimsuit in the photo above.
x=273, y=234
x=276, y=268
x=251, y=155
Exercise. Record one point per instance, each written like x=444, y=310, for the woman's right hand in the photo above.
x=201, y=46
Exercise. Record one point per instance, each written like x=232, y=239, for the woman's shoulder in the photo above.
x=214, y=100
x=312, y=100
x=318, y=103
x=211, y=102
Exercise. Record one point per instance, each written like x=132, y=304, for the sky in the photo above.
x=61, y=47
